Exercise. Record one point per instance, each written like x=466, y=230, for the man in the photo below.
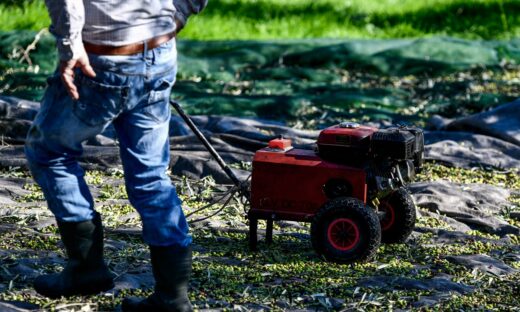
x=117, y=65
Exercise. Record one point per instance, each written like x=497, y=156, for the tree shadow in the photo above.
x=486, y=20
x=483, y=19
x=265, y=11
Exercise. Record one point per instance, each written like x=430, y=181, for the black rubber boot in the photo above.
x=86, y=272
x=171, y=269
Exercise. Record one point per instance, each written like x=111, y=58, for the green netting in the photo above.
x=394, y=57
x=311, y=82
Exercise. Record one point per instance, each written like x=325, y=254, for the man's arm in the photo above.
x=68, y=18
x=185, y=8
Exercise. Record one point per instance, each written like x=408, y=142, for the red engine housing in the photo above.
x=342, y=136
x=288, y=184
x=345, y=141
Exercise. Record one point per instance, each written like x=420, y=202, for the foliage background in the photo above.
x=269, y=19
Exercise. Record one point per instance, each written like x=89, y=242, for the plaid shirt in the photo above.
x=114, y=22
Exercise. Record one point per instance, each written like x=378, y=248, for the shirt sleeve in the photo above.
x=67, y=20
x=185, y=8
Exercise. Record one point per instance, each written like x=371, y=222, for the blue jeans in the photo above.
x=131, y=92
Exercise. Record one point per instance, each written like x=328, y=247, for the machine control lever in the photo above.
x=243, y=188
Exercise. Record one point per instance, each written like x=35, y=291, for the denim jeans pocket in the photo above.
x=98, y=103
x=158, y=106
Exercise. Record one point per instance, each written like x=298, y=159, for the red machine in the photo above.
x=351, y=188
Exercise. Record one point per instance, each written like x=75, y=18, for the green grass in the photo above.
x=270, y=19
x=29, y=16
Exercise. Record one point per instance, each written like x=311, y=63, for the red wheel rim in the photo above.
x=343, y=234
x=389, y=218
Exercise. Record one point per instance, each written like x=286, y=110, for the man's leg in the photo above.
x=144, y=144
x=52, y=147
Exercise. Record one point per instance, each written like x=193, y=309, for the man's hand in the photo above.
x=67, y=73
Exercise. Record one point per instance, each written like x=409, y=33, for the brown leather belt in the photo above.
x=128, y=49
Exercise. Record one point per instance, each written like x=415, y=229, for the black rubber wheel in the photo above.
x=399, y=220
x=344, y=231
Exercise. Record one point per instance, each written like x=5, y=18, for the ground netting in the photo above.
x=489, y=139
x=242, y=95
x=311, y=82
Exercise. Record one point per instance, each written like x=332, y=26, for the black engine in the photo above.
x=390, y=156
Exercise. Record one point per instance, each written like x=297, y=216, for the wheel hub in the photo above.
x=343, y=234
x=389, y=217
